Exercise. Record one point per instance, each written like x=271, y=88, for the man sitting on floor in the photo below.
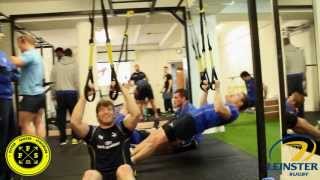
x=109, y=141
x=295, y=121
x=195, y=122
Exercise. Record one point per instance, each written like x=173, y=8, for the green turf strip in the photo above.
x=242, y=134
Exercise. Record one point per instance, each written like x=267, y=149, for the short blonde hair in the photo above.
x=27, y=38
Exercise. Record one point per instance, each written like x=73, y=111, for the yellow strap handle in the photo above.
x=203, y=62
x=91, y=50
x=130, y=13
x=199, y=66
x=109, y=50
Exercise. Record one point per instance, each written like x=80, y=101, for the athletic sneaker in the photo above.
x=156, y=123
x=62, y=143
x=74, y=141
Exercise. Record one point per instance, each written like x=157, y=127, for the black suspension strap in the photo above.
x=90, y=79
x=125, y=39
x=113, y=91
x=214, y=75
x=115, y=87
x=196, y=48
x=207, y=56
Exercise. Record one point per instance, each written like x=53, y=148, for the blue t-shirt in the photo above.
x=135, y=137
x=205, y=117
x=32, y=73
x=7, y=75
x=251, y=91
x=188, y=107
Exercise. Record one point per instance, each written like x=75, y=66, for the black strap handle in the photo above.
x=114, y=89
x=87, y=88
x=204, y=77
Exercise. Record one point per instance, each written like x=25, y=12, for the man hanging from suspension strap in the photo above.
x=113, y=92
x=206, y=58
x=109, y=140
x=90, y=78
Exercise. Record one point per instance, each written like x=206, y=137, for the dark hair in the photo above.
x=59, y=49
x=104, y=103
x=245, y=102
x=244, y=74
x=182, y=92
x=68, y=52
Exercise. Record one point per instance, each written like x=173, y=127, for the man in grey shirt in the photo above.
x=295, y=69
x=66, y=85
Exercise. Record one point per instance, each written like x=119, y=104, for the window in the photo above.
x=123, y=71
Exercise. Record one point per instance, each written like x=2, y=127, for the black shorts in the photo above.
x=32, y=103
x=291, y=120
x=144, y=92
x=109, y=176
x=183, y=128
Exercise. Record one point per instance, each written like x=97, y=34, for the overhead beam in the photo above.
x=180, y=3
x=98, y=12
x=168, y=34
x=111, y=6
x=133, y=1
x=174, y=13
x=153, y=5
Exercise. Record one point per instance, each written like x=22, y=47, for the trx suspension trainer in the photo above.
x=114, y=81
x=90, y=79
x=124, y=48
x=207, y=57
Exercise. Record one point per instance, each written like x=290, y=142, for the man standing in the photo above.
x=251, y=87
x=66, y=79
x=295, y=69
x=8, y=127
x=167, y=91
x=143, y=92
x=30, y=87
x=59, y=53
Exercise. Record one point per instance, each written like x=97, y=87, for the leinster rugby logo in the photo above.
x=28, y=155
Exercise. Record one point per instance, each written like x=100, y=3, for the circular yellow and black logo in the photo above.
x=28, y=155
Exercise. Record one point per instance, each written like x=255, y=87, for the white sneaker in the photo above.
x=64, y=143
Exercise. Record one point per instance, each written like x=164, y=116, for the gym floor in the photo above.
x=227, y=156
x=213, y=159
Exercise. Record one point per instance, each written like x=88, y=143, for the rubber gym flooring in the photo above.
x=213, y=160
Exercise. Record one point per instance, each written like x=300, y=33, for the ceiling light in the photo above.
x=219, y=26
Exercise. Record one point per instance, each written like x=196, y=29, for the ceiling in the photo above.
x=157, y=28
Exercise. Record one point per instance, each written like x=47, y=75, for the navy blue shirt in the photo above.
x=251, y=91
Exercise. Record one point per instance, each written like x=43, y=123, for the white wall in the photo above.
x=152, y=62
x=236, y=55
x=316, y=11
x=5, y=42
x=306, y=41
